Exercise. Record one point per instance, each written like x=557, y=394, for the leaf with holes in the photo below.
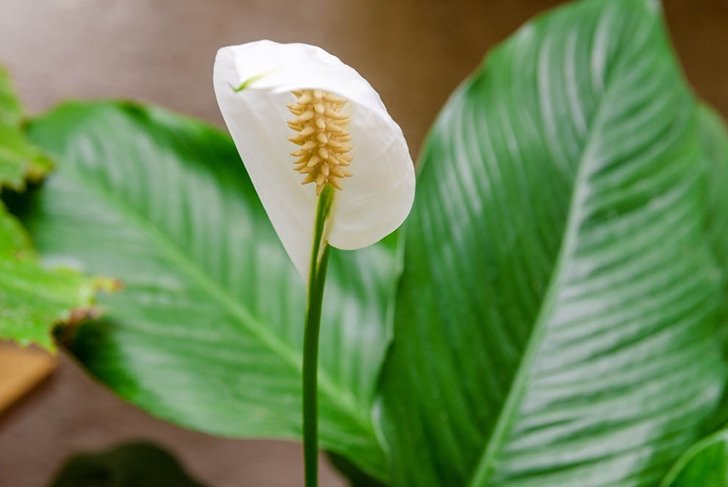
x=556, y=319
x=207, y=332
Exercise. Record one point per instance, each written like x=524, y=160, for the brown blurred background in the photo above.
x=414, y=52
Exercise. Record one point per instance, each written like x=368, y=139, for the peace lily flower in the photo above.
x=301, y=120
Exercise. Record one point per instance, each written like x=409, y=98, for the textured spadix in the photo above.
x=254, y=85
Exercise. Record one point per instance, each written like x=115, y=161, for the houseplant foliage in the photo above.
x=590, y=324
x=555, y=314
x=32, y=298
x=19, y=159
x=206, y=332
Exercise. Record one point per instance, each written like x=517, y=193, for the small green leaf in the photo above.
x=208, y=330
x=19, y=160
x=703, y=465
x=33, y=299
x=14, y=240
x=11, y=111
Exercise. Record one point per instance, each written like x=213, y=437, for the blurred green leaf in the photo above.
x=19, y=160
x=11, y=111
x=33, y=299
x=556, y=319
x=138, y=464
x=207, y=332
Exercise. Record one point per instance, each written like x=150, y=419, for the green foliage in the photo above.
x=19, y=160
x=14, y=241
x=715, y=150
x=556, y=319
x=560, y=319
x=32, y=298
x=208, y=330
x=137, y=464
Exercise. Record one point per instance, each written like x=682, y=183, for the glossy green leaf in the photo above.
x=556, y=319
x=715, y=150
x=704, y=465
x=19, y=160
x=207, y=332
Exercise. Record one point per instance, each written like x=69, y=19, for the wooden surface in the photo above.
x=70, y=413
x=21, y=370
x=413, y=51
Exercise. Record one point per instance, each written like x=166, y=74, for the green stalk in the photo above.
x=316, y=281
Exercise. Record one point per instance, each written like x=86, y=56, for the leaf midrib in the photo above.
x=509, y=411
x=190, y=266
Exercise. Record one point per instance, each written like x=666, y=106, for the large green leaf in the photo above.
x=705, y=464
x=555, y=323
x=207, y=332
x=715, y=149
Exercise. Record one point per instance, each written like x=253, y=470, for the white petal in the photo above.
x=373, y=202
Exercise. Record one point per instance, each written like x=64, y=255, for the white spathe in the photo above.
x=372, y=203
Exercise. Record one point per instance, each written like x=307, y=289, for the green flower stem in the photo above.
x=316, y=281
